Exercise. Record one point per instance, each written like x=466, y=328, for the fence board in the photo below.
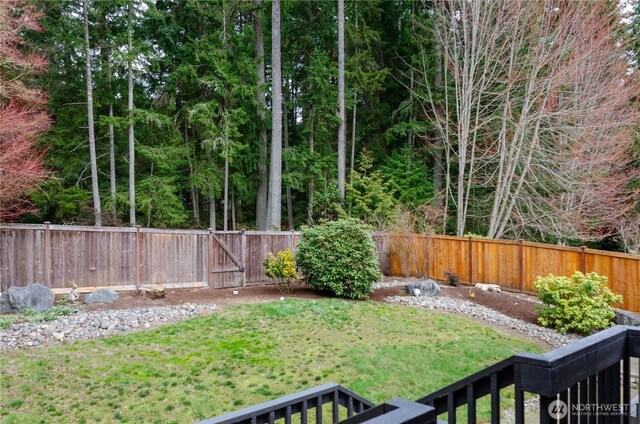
x=449, y=254
x=226, y=272
x=172, y=258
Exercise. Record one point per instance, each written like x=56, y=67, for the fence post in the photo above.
x=583, y=259
x=209, y=256
x=243, y=253
x=471, y=260
x=521, y=260
x=46, y=266
x=427, y=255
x=138, y=247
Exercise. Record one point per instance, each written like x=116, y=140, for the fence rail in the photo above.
x=129, y=258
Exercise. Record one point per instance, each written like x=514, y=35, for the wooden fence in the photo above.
x=513, y=264
x=129, y=258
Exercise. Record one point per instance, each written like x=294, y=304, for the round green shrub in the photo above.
x=580, y=304
x=339, y=257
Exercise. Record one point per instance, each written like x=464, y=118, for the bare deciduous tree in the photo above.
x=536, y=115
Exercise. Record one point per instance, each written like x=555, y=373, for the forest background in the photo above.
x=498, y=119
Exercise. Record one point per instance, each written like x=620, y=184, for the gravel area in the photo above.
x=91, y=325
x=473, y=310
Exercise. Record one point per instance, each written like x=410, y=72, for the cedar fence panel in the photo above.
x=258, y=246
x=127, y=258
x=171, y=259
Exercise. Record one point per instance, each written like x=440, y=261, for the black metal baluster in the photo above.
x=495, y=399
x=319, y=410
x=471, y=404
x=626, y=389
x=564, y=397
x=287, y=415
x=349, y=406
x=519, y=396
x=304, y=417
x=573, y=402
x=334, y=407
x=451, y=409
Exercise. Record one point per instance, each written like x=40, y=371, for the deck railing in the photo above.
x=588, y=381
x=302, y=403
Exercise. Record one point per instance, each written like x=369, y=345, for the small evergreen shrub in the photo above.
x=339, y=257
x=580, y=304
x=452, y=278
x=282, y=268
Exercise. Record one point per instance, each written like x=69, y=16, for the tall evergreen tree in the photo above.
x=275, y=176
x=97, y=209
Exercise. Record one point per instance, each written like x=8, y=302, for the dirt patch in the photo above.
x=220, y=297
x=514, y=305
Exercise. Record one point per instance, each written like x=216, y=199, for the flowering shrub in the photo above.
x=581, y=304
x=282, y=268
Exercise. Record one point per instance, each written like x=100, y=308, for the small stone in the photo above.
x=101, y=296
x=58, y=336
x=147, y=325
x=104, y=324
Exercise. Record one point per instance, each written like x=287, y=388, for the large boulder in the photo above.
x=34, y=296
x=423, y=288
x=101, y=296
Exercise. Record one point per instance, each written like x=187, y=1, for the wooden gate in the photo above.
x=226, y=259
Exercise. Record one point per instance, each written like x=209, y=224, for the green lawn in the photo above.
x=244, y=355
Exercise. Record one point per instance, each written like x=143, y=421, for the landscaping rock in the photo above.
x=34, y=296
x=91, y=325
x=626, y=318
x=101, y=296
x=464, y=307
x=423, y=288
x=489, y=287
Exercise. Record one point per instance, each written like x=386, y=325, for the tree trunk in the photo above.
x=92, y=139
x=225, y=202
x=212, y=209
x=312, y=177
x=285, y=114
x=342, y=135
x=353, y=141
x=112, y=164
x=438, y=169
x=261, y=197
x=275, y=176
x=132, y=153
x=233, y=210
x=194, y=192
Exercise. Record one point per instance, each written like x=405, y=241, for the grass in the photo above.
x=29, y=315
x=244, y=355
